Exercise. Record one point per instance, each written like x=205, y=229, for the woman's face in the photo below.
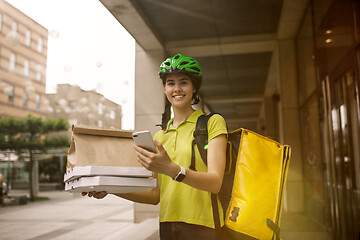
x=179, y=89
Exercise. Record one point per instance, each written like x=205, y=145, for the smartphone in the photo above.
x=144, y=139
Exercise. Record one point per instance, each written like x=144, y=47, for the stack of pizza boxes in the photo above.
x=102, y=159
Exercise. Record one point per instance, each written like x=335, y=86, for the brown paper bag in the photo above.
x=101, y=147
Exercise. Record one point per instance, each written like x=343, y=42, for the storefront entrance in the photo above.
x=341, y=150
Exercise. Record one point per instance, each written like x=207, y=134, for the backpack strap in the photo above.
x=273, y=227
x=216, y=214
x=192, y=165
x=201, y=140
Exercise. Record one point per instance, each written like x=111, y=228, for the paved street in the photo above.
x=70, y=216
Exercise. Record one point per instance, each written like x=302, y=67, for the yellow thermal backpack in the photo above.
x=253, y=185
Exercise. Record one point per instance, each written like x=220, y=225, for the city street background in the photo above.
x=71, y=216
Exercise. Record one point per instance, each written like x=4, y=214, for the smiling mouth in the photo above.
x=179, y=96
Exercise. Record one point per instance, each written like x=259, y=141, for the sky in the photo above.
x=87, y=47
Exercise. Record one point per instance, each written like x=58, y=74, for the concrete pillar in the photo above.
x=149, y=105
x=271, y=118
x=289, y=122
x=149, y=94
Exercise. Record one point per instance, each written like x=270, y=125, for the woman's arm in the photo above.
x=211, y=180
x=148, y=196
x=207, y=181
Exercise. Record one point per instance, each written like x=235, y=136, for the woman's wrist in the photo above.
x=174, y=170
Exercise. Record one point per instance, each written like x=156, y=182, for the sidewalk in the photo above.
x=297, y=226
x=71, y=216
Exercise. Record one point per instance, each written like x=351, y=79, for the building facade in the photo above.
x=23, y=54
x=83, y=107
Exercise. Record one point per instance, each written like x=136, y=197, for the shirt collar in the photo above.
x=192, y=118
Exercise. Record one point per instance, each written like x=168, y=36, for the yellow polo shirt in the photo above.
x=180, y=202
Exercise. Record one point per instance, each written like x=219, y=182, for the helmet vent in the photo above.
x=196, y=69
x=180, y=63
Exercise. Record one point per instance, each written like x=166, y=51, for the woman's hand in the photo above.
x=97, y=195
x=159, y=162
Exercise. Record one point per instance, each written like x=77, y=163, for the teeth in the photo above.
x=178, y=96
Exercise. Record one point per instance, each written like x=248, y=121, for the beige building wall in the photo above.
x=83, y=107
x=23, y=54
x=149, y=94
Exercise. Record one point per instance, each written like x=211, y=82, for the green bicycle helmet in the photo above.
x=181, y=64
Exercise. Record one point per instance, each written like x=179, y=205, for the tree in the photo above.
x=31, y=135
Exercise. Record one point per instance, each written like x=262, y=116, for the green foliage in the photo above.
x=49, y=170
x=52, y=125
x=28, y=134
x=10, y=125
x=56, y=142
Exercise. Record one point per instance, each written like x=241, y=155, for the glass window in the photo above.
x=320, y=8
x=28, y=38
x=12, y=62
x=312, y=159
x=14, y=27
x=39, y=71
x=112, y=114
x=25, y=99
x=40, y=45
x=38, y=104
x=10, y=92
x=342, y=175
x=73, y=104
x=306, y=58
x=26, y=68
x=38, y=76
x=100, y=109
x=357, y=10
x=334, y=34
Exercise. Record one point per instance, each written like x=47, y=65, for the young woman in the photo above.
x=184, y=195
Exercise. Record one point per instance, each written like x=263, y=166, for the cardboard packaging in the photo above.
x=87, y=171
x=94, y=146
x=103, y=159
x=109, y=184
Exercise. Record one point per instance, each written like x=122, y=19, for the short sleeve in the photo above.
x=157, y=135
x=216, y=126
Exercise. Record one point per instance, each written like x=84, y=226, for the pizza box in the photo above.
x=109, y=184
x=85, y=171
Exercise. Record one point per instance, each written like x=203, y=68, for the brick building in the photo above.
x=23, y=55
x=83, y=107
